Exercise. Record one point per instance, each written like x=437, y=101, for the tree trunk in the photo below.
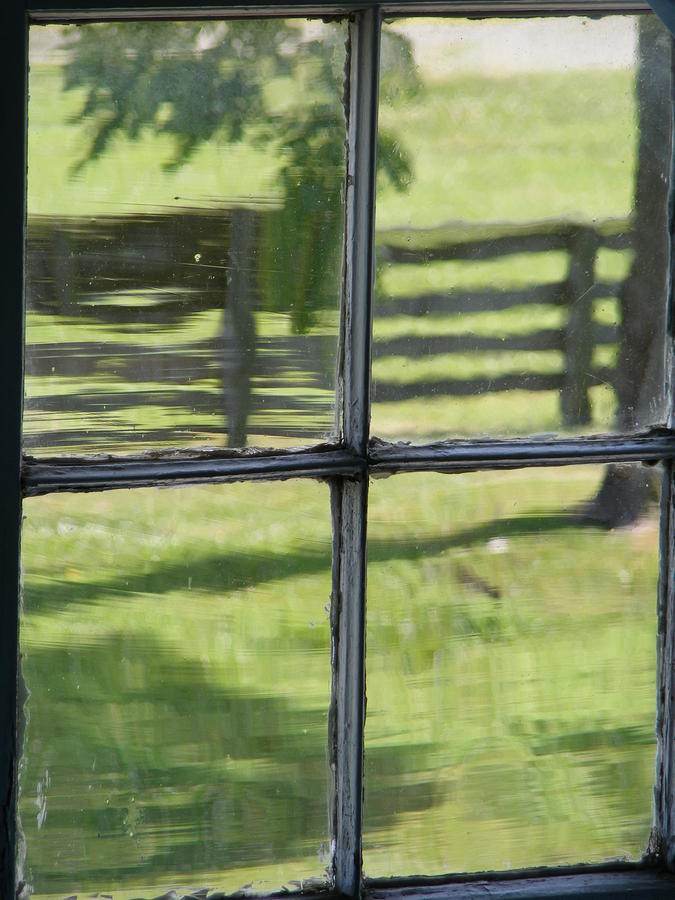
x=239, y=327
x=640, y=372
x=639, y=379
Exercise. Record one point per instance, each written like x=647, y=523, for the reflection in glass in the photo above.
x=176, y=656
x=510, y=668
x=521, y=280
x=185, y=213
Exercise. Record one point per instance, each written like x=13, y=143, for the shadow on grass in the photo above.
x=155, y=772
x=236, y=571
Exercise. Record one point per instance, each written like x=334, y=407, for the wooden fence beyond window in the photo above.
x=576, y=293
x=77, y=267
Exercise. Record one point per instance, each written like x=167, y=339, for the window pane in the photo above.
x=185, y=215
x=522, y=262
x=511, y=669
x=176, y=656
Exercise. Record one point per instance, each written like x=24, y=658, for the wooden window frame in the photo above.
x=346, y=465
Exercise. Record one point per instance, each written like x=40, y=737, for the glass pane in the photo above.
x=176, y=657
x=185, y=216
x=522, y=261
x=511, y=669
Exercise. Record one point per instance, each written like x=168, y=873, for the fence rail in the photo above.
x=576, y=294
x=184, y=262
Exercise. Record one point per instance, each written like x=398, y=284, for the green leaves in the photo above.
x=272, y=82
x=189, y=79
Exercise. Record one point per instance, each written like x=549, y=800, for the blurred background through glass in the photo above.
x=185, y=216
x=522, y=276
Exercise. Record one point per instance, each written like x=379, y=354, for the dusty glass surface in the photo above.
x=511, y=669
x=176, y=655
x=185, y=215
x=522, y=269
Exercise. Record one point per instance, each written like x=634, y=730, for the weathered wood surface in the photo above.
x=615, y=885
x=349, y=498
x=202, y=466
x=465, y=455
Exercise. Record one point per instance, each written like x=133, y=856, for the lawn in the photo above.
x=179, y=687
x=510, y=675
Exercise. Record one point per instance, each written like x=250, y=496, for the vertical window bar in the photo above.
x=350, y=497
x=664, y=793
x=349, y=502
x=664, y=845
x=360, y=205
x=669, y=350
x=12, y=166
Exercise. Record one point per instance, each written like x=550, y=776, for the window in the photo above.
x=160, y=737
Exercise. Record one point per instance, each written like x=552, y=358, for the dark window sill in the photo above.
x=618, y=885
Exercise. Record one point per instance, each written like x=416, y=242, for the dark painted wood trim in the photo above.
x=80, y=10
x=350, y=564
x=13, y=74
x=665, y=639
x=664, y=789
x=617, y=885
x=53, y=476
x=448, y=456
x=58, y=474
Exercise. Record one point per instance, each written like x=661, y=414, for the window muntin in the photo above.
x=349, y=496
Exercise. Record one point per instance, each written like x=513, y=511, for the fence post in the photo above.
x=579, y=338
x=239, y=327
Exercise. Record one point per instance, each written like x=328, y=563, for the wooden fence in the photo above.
x=576, y=293
x=74, y=264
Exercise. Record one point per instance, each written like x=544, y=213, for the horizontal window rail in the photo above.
x=460, y=456
x=57, y=474
x=73, y=474
x=81, y=10
x=617, y=885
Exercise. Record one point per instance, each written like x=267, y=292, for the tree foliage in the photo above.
x=277, y=83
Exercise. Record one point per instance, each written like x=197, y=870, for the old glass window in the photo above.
x=327, y=309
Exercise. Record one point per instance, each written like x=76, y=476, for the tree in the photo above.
x=195, y=80
x=640, y=366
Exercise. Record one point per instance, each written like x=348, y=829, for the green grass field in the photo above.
x=176, y=643
x=180, y=685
